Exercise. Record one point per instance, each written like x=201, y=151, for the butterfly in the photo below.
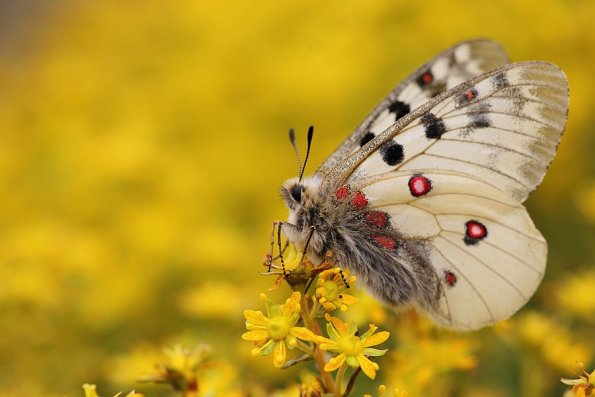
x=423, y=201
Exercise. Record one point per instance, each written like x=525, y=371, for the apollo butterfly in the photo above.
x=423, y=201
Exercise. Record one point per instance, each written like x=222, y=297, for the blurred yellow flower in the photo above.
x=331, y=287
x=575, y=294
x=276, y=331
x=556, y=343
x=352, y=349
x=90, y=391
x=310, y=386
x=181, y=369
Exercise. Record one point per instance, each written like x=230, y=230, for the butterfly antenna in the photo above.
x=295, y=149
x=310, y=135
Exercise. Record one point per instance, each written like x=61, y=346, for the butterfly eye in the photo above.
x=296, y=193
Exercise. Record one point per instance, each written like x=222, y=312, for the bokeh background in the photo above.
x=142, y=144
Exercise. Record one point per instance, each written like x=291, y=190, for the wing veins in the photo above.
x=528, y=265
x=486, y=266
x=465, y=277
x=466, y=162
x=499, y=147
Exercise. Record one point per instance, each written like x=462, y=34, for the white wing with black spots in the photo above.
x=459, y=63
x=502, y=128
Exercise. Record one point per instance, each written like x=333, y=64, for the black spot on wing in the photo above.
x=399, y=108
x=433, y=126
x=392, y=153
x=367, y=138
x=479, y=120
x=500, y=81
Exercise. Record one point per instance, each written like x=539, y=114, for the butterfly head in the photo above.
x=298, y=193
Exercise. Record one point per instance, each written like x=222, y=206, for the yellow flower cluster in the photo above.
x=296, y=324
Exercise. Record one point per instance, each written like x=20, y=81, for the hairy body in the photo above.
x=398, y=276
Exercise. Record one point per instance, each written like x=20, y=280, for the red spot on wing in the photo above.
x=450, y=278
x=419, y=185
x=376, y=218
x=342, y=192
x=359, y=200
x=385, y=241
x=427, y=78
x=474, y=231
x=469, y=94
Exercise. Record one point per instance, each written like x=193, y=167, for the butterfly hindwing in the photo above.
x=450, y=68
x=480, y=241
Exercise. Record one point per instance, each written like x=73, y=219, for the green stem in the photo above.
x=339, y=379
x=305, y=348
x=318, y=354
x=314, y=310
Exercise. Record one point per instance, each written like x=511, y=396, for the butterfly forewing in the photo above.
x=502, y=127
x=447, y=70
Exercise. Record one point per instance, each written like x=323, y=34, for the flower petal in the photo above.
x=303, y=333
x=267, y=348
x=369, y=351
x=273, y=309
x=335, y=362
x=255, y=317
x=352, y=361
x=371, y=329
x=279, y=354
x=368, y=367
x=259, y=335
x=331, y=331
x=348, y=299
x=376, y=339
x=340, y=326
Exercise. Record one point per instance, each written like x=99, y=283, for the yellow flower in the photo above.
x=181, y=370
x=584, y=386
x=90, y=391
x=310, y=386
x=352, y=349
x=276, y=331
x=331, y=287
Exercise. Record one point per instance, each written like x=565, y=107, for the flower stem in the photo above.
x=318, y=354
x=339, y=379
x=305, y=348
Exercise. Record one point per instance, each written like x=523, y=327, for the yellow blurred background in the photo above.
x=142, y=144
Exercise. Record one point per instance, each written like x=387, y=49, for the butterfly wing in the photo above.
x=502, y=127
x=447, y=70
x=452, y=175
x=481, y=242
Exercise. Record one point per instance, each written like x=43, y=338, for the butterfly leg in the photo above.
x=280, y=249
x=270, y=257
x=284, y=249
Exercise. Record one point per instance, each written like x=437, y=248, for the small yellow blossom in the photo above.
x=331, y=287
x=584, y=386
x=310, y=386
x=352, y=349
x=181, y=370
x=276, y=331
x=90, y=391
